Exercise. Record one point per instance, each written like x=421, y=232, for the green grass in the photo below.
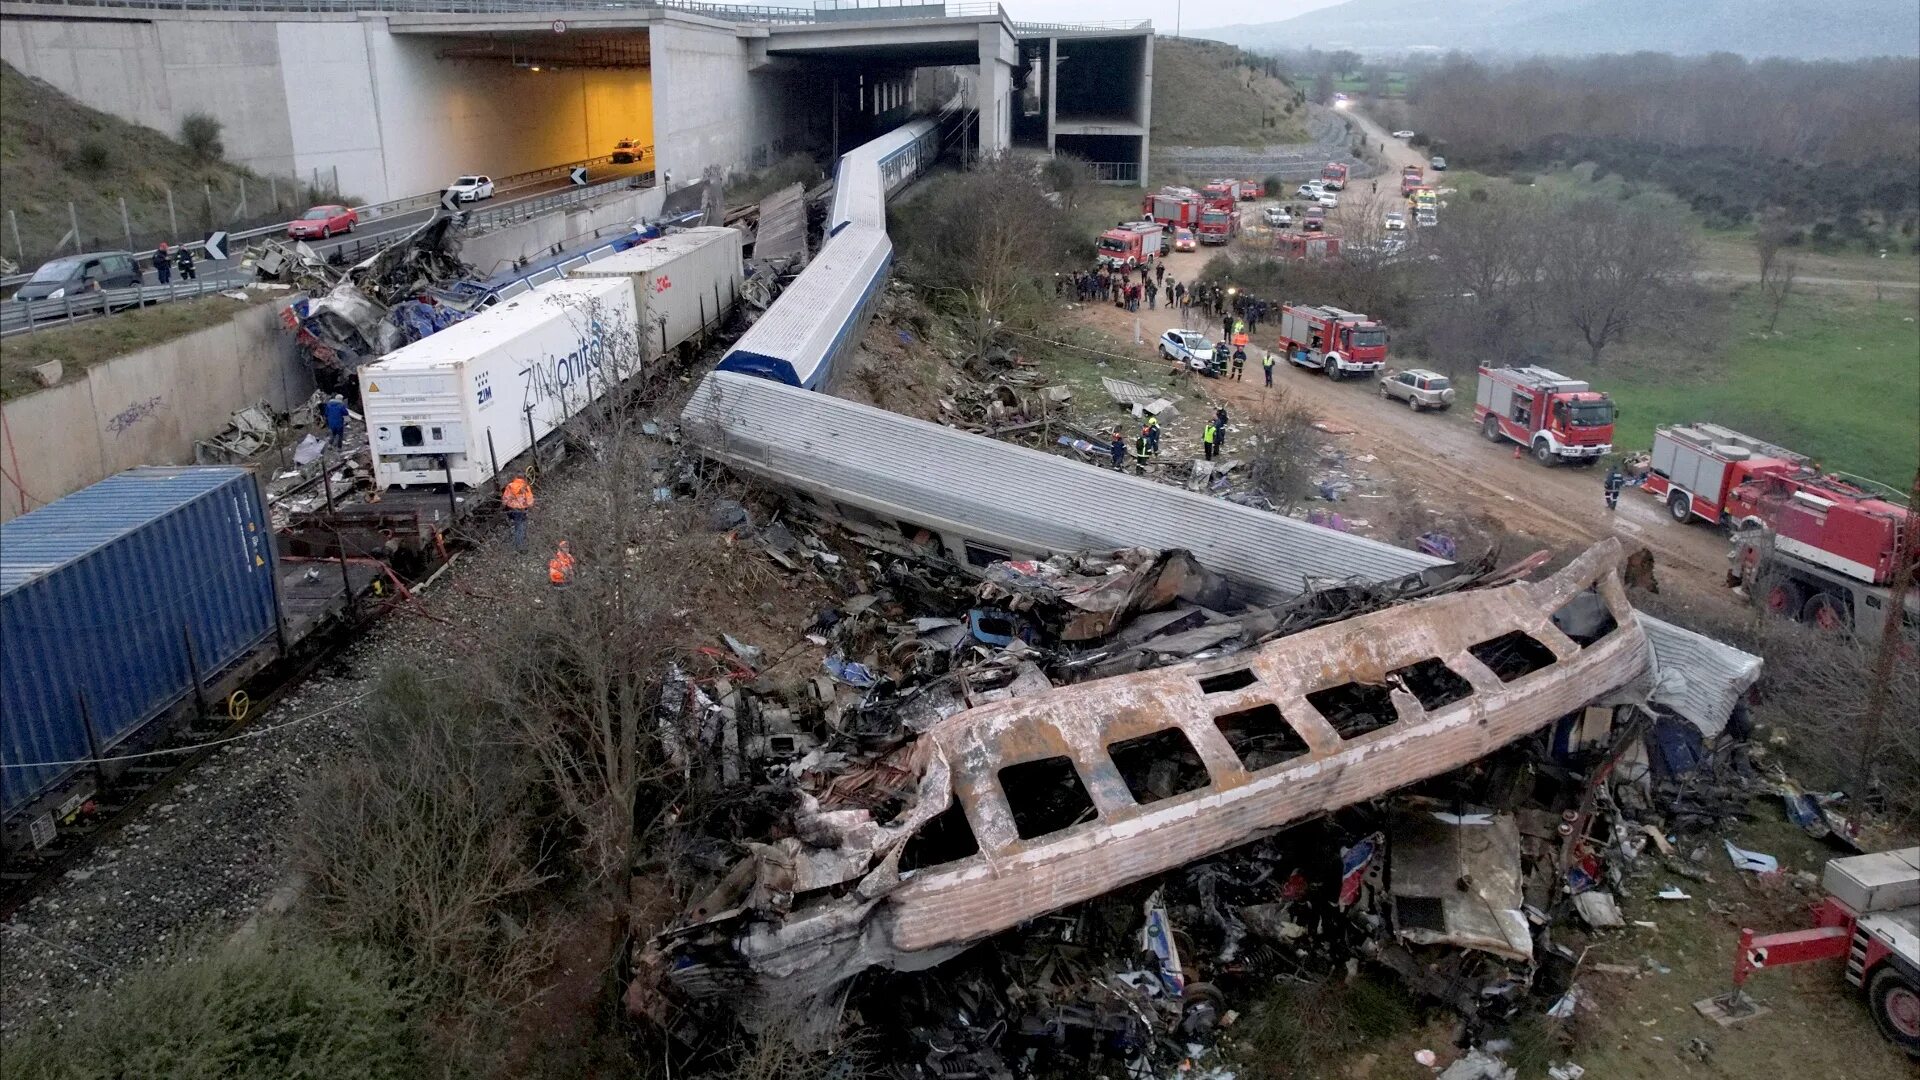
x=1202, y=96
x=96, y=341
x=1840, y=380
x=1356, y=85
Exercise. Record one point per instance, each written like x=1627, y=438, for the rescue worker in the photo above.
x=560, y=567
x=1226, y=330
x=1220, y=427
x=1266, y=366
x=518, y=499
x=1209, y=439
x=1615, y=481
x=184, y=261
x=1239, y=361
x=1153, y=435
x=335, y=412
x=1118, y=450
x=162, y=263
x=1140, y=452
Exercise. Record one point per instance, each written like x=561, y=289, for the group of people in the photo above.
x=1146, y=445
x=517, y=498
x=1124, y=288
x=166, y=260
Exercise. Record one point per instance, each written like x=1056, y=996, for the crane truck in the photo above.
x=1558, y=418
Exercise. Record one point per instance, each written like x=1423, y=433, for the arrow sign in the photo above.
x=447, y=201
x=216, y=246
x=578, y=174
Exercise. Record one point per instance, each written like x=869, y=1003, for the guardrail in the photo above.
x=373, y=212
x=25, y=316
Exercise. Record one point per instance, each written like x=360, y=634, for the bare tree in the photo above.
x=1776, y=284
x=1610, y=268
x=1280, y=453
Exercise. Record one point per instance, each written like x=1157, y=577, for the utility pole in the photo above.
x=1892, y=635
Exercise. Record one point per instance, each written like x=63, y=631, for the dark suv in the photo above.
x=76, y=275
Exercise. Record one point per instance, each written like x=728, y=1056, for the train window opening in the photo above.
x=983, y=557
x=1159, y=766
x=1419, y=913
x=1355, y=708
x=1512, y=655
x=410, y=435
x=1228, y=681
x=1585, y=618
x=1046, y=796
x=1260, y=737
x=946, y=838
x=1434, y=683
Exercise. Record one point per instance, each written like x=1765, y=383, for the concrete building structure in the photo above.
x=396, y=98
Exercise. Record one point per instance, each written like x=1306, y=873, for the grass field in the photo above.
x=96, y=341
x=1355, y=84
x=1839, y=380
x=1202, y=96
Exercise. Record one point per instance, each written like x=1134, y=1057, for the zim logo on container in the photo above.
x=662, y=283
x=483, y=391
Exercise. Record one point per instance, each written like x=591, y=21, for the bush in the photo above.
x=201, y=134
x=92, y=156
x=274, y=1004
x=1273, y=187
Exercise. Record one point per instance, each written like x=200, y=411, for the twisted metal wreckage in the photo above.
x=1021, y=807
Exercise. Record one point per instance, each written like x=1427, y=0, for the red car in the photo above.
x=322, y=222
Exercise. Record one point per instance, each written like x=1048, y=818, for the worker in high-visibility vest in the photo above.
x=1153, y=434
x=1266, y=365
x=560, y=568
x=1209, y=439
x=518, y=499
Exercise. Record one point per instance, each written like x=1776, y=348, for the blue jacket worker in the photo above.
x=1615, y=481
x=336, y=413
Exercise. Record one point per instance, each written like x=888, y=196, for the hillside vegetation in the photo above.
x=1209, y=94
x=54, y=150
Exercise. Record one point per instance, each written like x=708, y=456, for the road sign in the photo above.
x=559, y=26
x=447, y=200
x=578, y=174
x=216, y=246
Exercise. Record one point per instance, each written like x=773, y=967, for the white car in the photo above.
x=1277, y=216
x=471, y=188
x=1403, y=134
x=1189, y=347
x=1396, y=220
x=1310, y=190
x=1328, y=199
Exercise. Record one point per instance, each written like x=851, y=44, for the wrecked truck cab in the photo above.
x=1048, y=788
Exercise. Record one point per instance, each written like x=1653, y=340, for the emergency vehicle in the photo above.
x=1411, y=177
x=1334, y=175
x=1173, y=207
x=1306, y=245
x=1558, y=418
x=1695, y=469
x=1130, y=244
x=1340, y=343
x=1218, y=224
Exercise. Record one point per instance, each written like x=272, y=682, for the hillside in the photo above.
x=1206, y=94
x=1842, y=29
x=53, y=149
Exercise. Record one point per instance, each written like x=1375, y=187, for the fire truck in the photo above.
x=1871, y=918
x=1130, y=244
x=1558, y=418
x=1218, y=224
x=1305, y=245
x=1230, y=191
x=1696, y=468
x=1334, y=175
x=1411, y=177
x=1340, y=343
x=1825, y=551
x=1174, y=207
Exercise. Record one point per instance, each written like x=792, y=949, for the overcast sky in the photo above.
x=1200, y=13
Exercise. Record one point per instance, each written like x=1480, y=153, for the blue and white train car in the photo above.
x=821, y=315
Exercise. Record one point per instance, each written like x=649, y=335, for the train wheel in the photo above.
x=1490, y=427
x=1680, y=506
x=1896, y=1009
x=1825, y=611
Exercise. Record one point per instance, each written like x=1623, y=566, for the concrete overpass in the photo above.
x=399, y=96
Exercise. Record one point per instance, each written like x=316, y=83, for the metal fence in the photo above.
x=1115, y=172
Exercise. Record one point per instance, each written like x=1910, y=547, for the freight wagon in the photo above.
x=684, y=284
x=124, y=606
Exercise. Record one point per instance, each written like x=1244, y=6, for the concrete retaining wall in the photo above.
x=491, y=253
x=145, y=408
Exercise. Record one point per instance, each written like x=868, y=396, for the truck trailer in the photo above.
x=455, y=407
x=685, y=283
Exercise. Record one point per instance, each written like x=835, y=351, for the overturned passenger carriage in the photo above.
x=1026, y=806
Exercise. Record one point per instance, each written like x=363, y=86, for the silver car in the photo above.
x=1419, y=388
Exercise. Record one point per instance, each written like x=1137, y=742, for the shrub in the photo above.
x=201, y=134
x=1273, y=186
x=92, y=156
x=273, y=1004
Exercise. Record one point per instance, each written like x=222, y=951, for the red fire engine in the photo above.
x=1218, y=224
x=1174, y=207
x=1130, y=244
x=1230, y=191
x=1305, y=245
x=1334, y=175
x=1696, y=469
x=1871, y=917
x=1558, y=418
x=1411, y=177
x=1340, y=343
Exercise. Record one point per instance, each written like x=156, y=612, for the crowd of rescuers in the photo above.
x=1151, y=289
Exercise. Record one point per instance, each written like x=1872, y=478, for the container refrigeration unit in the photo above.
x=123, y=606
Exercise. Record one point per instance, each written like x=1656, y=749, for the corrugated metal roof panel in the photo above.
x=933, y=475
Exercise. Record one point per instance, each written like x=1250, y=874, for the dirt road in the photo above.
x=1441, y=457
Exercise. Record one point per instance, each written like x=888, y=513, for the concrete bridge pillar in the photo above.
x=993, y=87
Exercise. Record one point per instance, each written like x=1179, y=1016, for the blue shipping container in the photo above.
x=100, y=595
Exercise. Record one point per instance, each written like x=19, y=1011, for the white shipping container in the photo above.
x=681, y=282
x=483, y=391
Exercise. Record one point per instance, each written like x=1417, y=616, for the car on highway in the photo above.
x=1396, y=220
x=1438, y=164
x=1419, y=388
x=1328, y=199
x=74, y=275
x=322, y=222
x=471, y=188
x=1403, y=134
x=1184, y=240
x=626, y=151
x=1191, y=348
x=1276, y=216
